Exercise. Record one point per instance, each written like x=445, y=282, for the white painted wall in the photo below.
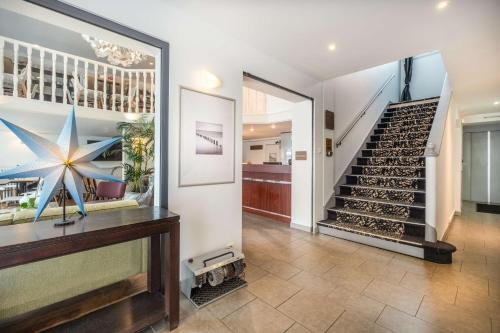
x=448, y=175
x=346, y=96
x=302, y=179
x=257, y=156
x=427, y=76
x=210, y=215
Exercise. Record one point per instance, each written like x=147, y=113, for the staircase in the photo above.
x=382, y=200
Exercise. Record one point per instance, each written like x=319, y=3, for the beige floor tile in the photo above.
x=351, y=322
x=253, y=273
x=452, y=317
x=230, y=303
x=257, y=258
x=297, y=328
x=463, y=280
x=496, y=326
x=482, y=270
x=315, y=311
x=368, y=253
x=348, y=277
x=272, y=290
x=357, y=303
x=494, y=289
x=315, y=263
x=257, y=317
x=201, y=321
x=434, y=289
x=414, y=265
x=396, y=296
x=475, y=303
x=383, y=271
x=312, y=282
x=280, y=268
x=398, y=321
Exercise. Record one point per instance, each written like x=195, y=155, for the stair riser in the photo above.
x=388, y=228
x=389, y=171
x=404, y=113
x=391, y=161
x=406, y=123
x=417, y=143
x=382, y=208
x=403, y=196
x=400, y=136
x=393, y=152
x=390, y=117
x=399, y=130
x=414, y=184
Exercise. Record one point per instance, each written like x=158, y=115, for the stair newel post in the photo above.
x=430, y=192
x=54, y=78
x=15, y=90
x=42, y=75
x=2, y=43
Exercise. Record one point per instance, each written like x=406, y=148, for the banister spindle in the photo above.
x=42, y=75
x=113, y=95
x=122, y=84
x=151, y=108
x=75, y=83
x=2, y=43
x=105, y=88
x=136, y=92
x=144, y=91
x=129, y=107
x=54, y=77
x=96, y=89
x=65, y=80
x=86, y=84
x=28, y=73
x=15, y=91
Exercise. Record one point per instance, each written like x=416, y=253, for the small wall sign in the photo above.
x=329, y=120
x=301, y=155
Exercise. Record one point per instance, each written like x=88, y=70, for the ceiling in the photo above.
x=369, y=33
x=30, y=30
x=261, y=131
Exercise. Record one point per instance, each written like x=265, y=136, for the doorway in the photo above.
x=277, y=153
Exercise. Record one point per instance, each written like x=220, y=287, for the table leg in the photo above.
x=171, y=275
x=154, y=264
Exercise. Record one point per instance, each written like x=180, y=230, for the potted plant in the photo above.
x=138, y=147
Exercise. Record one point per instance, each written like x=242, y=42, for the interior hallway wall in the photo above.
x=428, y=74
x=210, y=215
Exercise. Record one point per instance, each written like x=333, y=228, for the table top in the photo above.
x=26, y=234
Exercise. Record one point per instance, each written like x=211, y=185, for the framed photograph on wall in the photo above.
x=207, y=136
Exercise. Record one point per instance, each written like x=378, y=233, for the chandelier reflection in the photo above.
x=115, y=54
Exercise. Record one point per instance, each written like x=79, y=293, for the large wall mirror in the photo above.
x=55, y=58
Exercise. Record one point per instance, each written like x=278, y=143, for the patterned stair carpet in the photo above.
x=384, y=194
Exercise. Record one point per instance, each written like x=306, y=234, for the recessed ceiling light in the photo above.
x=252, y=129
x=442, y=5
x=273, y=126
x=496, y=102
x=332, y=47
x=151, y=63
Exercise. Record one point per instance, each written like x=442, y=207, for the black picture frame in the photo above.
x=101, y=22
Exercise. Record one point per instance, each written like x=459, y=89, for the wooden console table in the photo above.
x=126, y=306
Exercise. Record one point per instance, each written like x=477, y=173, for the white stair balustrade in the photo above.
x=74, y=81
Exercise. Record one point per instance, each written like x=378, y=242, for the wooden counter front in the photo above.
x=267, y=191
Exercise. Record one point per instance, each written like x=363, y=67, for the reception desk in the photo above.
x=267, y=190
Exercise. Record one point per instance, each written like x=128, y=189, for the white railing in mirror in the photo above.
x=38, y=73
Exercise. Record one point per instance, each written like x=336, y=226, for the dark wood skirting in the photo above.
x=126, y=306
x=271, y=215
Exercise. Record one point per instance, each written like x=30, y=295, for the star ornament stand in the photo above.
x=62, y=163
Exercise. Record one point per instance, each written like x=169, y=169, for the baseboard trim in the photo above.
x=275, y=216
x=300, y=227
x=413, y=251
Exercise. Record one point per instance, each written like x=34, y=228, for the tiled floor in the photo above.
x=304, y=283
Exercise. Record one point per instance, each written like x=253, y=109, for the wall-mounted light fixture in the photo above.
x=209, y=80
